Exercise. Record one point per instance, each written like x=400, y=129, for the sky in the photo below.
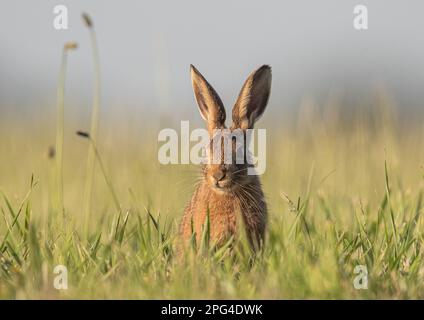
x=146, y=48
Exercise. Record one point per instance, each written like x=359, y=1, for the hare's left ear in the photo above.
x=252, y=99
x=210, y=104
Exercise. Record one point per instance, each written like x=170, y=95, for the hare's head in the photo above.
x=224, y=170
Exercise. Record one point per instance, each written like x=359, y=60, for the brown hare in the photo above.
x=226, y=191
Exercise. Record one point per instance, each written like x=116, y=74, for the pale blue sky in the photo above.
x=146, y=48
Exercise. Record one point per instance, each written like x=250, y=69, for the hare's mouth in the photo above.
x=223, y=186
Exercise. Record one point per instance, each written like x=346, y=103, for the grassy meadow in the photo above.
x=343, y=184
x=343, y=189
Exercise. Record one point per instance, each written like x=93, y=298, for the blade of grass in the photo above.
x=94, y=120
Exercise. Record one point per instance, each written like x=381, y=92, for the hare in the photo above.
x=227, y=193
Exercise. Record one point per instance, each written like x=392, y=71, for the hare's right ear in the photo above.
x=252, y=99
x=210, y=104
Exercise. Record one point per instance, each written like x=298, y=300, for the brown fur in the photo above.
x=225, y=211
x=232, y=198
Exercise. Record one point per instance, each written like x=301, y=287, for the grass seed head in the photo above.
x=51, y=152
x=72, y=45
x=83, y=134
x=87, y=20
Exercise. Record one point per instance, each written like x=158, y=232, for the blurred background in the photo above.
x=146, y=48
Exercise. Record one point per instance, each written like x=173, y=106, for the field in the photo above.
x=343, y=189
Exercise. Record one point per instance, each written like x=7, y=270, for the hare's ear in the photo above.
x=210, y=104
x=252, y=99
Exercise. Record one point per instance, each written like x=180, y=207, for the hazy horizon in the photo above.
x=146, y=49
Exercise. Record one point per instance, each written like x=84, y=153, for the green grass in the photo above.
x=94, y=123
x=60, y=122
x=340, y=194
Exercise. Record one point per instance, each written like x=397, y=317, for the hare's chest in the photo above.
x=224, y=219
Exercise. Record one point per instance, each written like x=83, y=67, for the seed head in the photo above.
x=83, y=134
x=51, y=152
x=72, y=45
x=87, y=20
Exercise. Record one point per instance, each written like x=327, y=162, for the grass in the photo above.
x=340, y=195
x=60, y=122
x=95, y=113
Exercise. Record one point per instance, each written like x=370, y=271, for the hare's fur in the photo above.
x=233, y=199
x=225, y=212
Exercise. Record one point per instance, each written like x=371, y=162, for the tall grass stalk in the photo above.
x=94, y=121
x=60, y=123
x=102, y=168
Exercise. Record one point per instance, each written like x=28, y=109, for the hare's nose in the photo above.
x=219, y=175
